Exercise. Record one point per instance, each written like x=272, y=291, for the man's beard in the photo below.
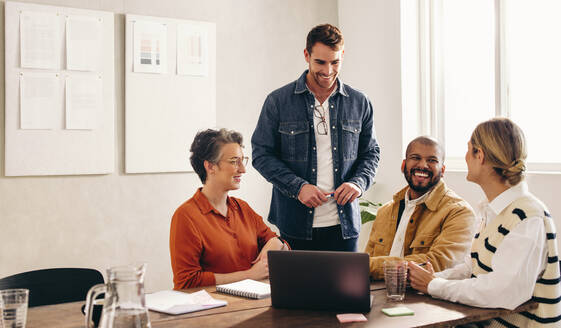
x=433, y=180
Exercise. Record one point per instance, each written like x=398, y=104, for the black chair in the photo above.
x=54, y=286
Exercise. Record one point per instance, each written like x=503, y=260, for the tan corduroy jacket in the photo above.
x=440, y=231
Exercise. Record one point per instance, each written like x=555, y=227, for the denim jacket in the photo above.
x=284, y=152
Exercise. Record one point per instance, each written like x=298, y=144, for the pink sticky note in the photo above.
x=351, y=317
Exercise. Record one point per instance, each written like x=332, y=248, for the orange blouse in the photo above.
x=203, y=241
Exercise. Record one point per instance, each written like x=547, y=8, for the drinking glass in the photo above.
x=13, y=308
x=395, y=276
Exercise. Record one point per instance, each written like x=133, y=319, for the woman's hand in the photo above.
x=419, y=277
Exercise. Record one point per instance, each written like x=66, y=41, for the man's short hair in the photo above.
x=427, y=141
x=326, y=34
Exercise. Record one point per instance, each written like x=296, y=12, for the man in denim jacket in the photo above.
x=315, y=143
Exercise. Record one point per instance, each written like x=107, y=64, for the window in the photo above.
x=465, y=61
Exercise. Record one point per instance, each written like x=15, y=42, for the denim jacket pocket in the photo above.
x=294, y=141
x=350, y=137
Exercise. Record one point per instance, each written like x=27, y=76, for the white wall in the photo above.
x=372, y=62
x=104, y=220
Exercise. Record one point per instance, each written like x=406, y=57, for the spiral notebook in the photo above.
x=246, y=288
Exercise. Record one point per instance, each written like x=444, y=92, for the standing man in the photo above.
x=315, y=143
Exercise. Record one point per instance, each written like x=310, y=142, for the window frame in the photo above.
x=429, y=65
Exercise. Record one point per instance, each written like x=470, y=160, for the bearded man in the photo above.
x=425, y=221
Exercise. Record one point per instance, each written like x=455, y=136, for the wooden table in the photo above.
x=242, y=312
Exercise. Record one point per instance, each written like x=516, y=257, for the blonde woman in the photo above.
x=514, y=253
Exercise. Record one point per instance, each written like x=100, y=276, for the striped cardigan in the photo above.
x=547, y=291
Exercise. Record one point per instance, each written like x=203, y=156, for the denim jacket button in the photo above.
x=311, y=211
x=314, y=147
x=313, y=170
x=291, y=132
x=334, y=148
x=333, y=127
x=336, y=169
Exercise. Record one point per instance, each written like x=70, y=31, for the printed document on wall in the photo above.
x=38, y=100
x=150, y=47
x=192, y=50
x=83, y=101
x=83, y=43
x=39, y=40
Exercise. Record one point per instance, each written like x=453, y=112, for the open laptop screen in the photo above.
x=320, y=280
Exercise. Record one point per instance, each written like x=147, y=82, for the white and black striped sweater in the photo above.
x=547, y=291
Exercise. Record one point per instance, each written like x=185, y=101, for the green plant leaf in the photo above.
x=368, y=210
x=367, y=216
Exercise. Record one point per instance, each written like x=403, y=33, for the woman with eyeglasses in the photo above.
x=215, y=238
x=513, y=256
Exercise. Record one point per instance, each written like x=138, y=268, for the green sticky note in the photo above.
x=397, y=311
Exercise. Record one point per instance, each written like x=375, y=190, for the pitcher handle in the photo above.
x=92, y=294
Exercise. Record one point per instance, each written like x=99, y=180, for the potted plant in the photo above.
x=368, y=211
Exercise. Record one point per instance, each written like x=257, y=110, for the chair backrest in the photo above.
x=54, y=286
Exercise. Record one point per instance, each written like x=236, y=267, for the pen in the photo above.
x=330, y=195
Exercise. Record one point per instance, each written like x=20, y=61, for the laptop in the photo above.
x=320, y=280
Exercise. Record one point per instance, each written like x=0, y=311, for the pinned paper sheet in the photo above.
x=83, y=43
x=83, y=101
x=192, y=50
x=39, y=40
x=174, y=302
x=150, y=47
x=38, y=100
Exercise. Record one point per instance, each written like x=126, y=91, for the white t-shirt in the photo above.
x=399, y=239
x=325, y=215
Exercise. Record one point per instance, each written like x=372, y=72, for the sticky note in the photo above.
x=397, y=311
x=351, y=317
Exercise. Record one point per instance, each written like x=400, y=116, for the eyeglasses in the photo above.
x=321, y=127
x=238, y=161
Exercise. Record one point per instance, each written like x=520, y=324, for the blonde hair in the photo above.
x=504, y=146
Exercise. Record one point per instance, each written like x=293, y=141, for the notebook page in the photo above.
x=174, y=302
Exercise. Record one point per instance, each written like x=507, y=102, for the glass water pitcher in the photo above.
x=124, y=305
